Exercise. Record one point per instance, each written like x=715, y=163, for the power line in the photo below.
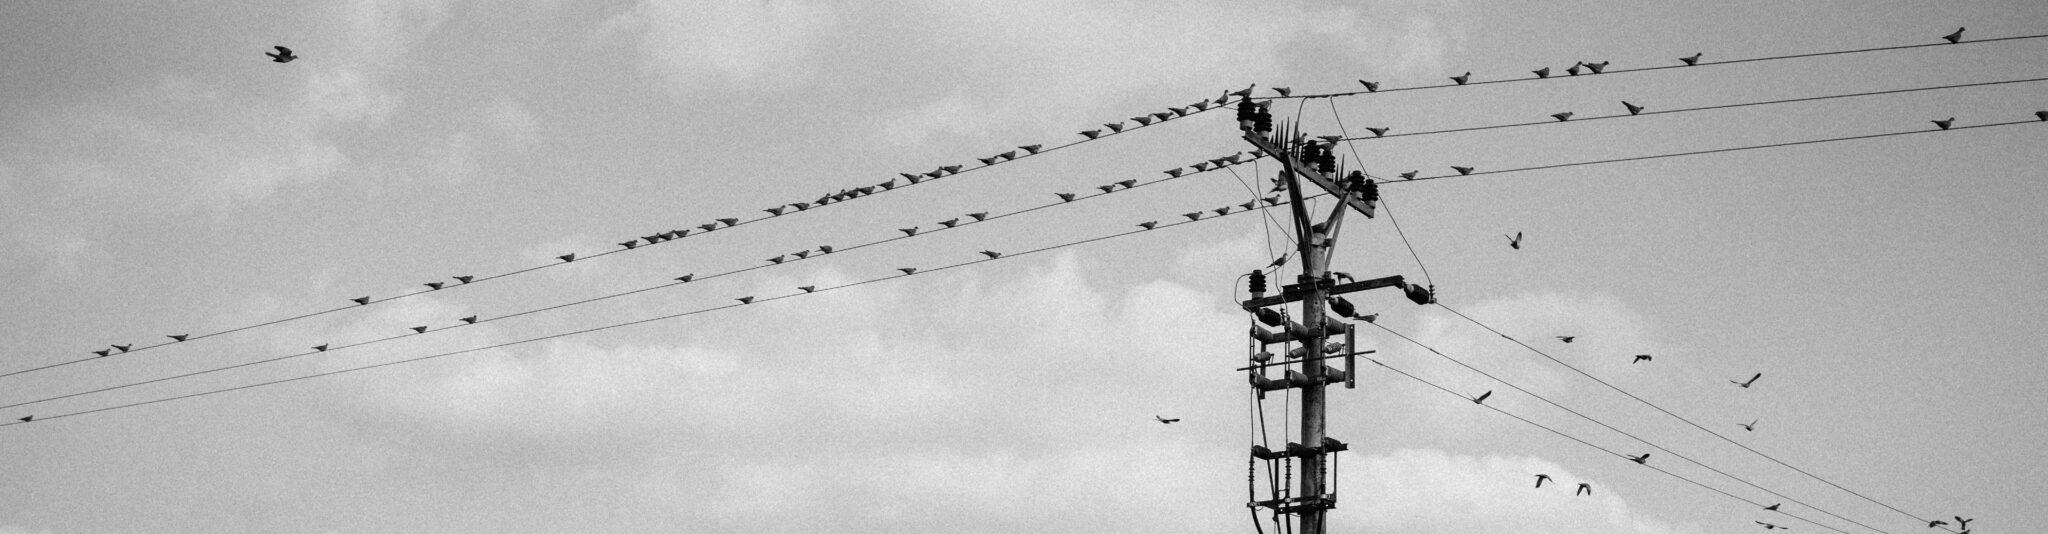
x=336, y=348
x=1685, y=110
x=817, y=290
x=1646, y=69
x=1094, y=135
x=1713, y=151
x=1646, y=402
x=1681, y=456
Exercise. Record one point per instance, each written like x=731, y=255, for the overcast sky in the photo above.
x=159, y=175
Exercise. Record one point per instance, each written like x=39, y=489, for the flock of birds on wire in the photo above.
x=286, y=55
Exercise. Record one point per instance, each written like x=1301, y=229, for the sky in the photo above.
x=159, y=175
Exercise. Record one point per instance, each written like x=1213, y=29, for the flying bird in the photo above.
x=1584, y=489
x=1768, y=526
x=564, y=257
x=1640, y=358
x=1149, y=224
x=284, y=55
x=746, y=300
x=178, y=337
x=465, y=279
x=1561, y=117
x=124, y=348
x=1752, y=380
x=1163, y=420
x=1952, y=38
x=1481, y=399
x=1542, y=72
x=1944, y=124
x=1936, y=523
x=1773, y=507
x=1632, y=108
x=1567, y=339
x=1751, y=426
x=1693, y=60
x=991, y=254
x=1640, y=459
x=1963, y=523
x=1514, y=241
x=1462, y=78
x=103, y=352
x=1540, y=478
x=419, y=330
x=469, y=320
x=1462, y=170
x=1370, y=87
x=361, y=300
x=1067, y=197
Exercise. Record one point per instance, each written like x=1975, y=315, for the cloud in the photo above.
x=719, y=44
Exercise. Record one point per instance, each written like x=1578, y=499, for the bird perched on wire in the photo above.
x=1596, y=67
x=1542, y=72
x=1462, y=78
x=26, y=418
x=1567, y=339
x=1561, y=117
x=1751, y=426
x=1540, y=478
x=1944, y=124
x=1279, y=262
x=1370, y=87
x=1952, y=38
x=103, y=352
x=1584, y=489
x=124, y=348
x=1514, y=241
x=1773, y=507
x=1752, y=380
x=1692, y=60
x=1768, y=526
x=1640, y=358
x=1163, y=420
x=1632, y=108
x=284, y=55
x=1462, y=170
x=1379, y=132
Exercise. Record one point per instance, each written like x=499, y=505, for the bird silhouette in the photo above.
x=1163, y=420
x=907, y=271
x=1008, y=155
x=469, y=320
x=124, y=348
x=1066, y=197
x=1283, y=91
x=361, y=300
x=1773, y=507
x=1752, y=380
x=1178, y=112
x=1574, y=69
x=1126, y=183
x=1768, y=526
x=1116, y=127
x=435, y=285
x=1514, y=241
x=1462, y=170
x=777, y=259
x=1632, y=108
x=1963, y=523
x=1936, y=523
x=1281, y=261
x=1584, y=489
x=1149, y=224
x=26, y=418
x=808, y=289
x=1462, y=78
x=951, y=169
x=1944, y=124
x=775, y=211
x=992, y=254
x=1142, y=120
x=729, y=223
x=746, y=300
x=1031, y=148
x=1192, y=216
x=1640, y=358
x=979, y=216
x=1597, y=67
x=1561, y=117
x=1369, y=318
x=911, y=231
x=1640, y=459
x=987, y=161
x=1091, y=134
x=1540, y=477
x=1410, y=175
x=1542, y=72
x=801, y=254
x=1223, y=210
x=1751, y=426
x=1176, y=172
x=825, y=249
x=629, y=244
x=1481, y=399
x=1378, y=132
x=319, y=348
x=567, y=257
x=1567, y=339
x=1952, y=38
x=949, y=223
x=103, y=352
x=282, y=55
x=467, y=279
x=179, y=337
x=1692, y=60
x=1370, y=87
x=686, y=278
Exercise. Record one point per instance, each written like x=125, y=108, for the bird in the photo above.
x=1031, y=148
x=1283, y=91
x=1178, y=112
x=987, y=160
x=1378, y=132
x=435, y=285
x=565, y=257
x=1142, y=120
x=467, y=279
x=891, y=184
x=1281, y=261
x=1561, y=117
x=1751, y=426
x=124, y=348
x=419, y=330
x=1481, y=399
x=1952, y=38
x=284, y=55
x=1597, y=67
x=1514, y=241
x=1963, y=523
x=1149, y=224
x=1936, y=523
x=911, y=231
x=27, y=418
x=775, y=211
x=825, y=249
x=1201, y=166
x=629, y=244
x=1542, y=72
x=801, y=254
x=1639, y=459
x=686, y=278
x=746, y=300
x=179, y=337
x=1574, y=69
x=992, y=254
x=1008, y=155
x=1540, y=478
x=1640, y=358
x=949, y=223
x=907, y=271
x=1192, y=216
x=103, y=352
x=1462, y=170
x=1584, y=489
x=1944, y=124
x=1462, y=78
x=1632, y=108
x=469, y=320
x=1692, y=60
x=979, y=216
x=951, y=169
x=778, y=259
x=1369, y=318
x=1128, y=183
x=319, y=348
x=1370, y=87
x=1166, y=421
x=1752, y=380
x=361, y=300
x=1773, y=507
x=1222, y=211
x=1176, y=172
x=729, y=223
x=808, y=289
x=1116, y=127
x=1567, y=339
x=1091, y=134
x=1768, y=526
x=1067, y=197
x=800, y=206
x=1410, y=175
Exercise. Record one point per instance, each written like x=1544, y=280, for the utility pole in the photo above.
x=1305, y=161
